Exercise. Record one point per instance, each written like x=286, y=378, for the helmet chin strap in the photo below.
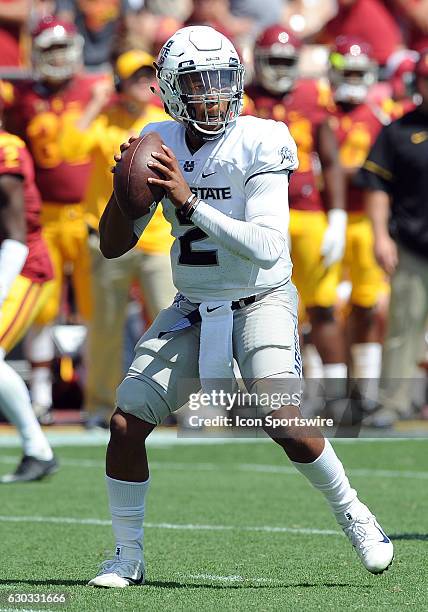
x=203, y=134
x=198, y=131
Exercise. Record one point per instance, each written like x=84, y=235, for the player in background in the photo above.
x=25, y=285
x=400, y=72
x=317, y=236
x=232, y=267
x=99, y=132
x=395, y=177
x=40, y=111
x=356, y=123
x=13, y=33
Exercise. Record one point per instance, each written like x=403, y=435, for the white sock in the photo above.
x=312, y=363
x=335, y=380
x=335, y=370
x=39, y=348
x=366, y=367
x=41, y=386
x=366, y=360
x=127, y=514
x=16, y=406
x=327, y=475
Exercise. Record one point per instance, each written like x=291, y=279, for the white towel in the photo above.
x=215, y=347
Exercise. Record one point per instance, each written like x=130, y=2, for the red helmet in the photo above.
x=400, y=71
x=57, y=49
x=352, y=69
x=276, y=55
x=421, y=67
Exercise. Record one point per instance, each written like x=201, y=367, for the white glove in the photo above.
x=333, y=243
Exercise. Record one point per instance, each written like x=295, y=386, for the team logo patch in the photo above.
x=165, y=52
x=418, y=137
x=189, y=166
x=286, y=154
x=179, y=300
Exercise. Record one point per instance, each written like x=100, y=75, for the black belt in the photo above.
x=195, y=316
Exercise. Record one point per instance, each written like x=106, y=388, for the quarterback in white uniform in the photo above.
x=228, y=175
x=226, y=182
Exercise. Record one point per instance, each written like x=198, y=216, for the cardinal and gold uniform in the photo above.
x=101, y=141
x=33, y=286
x=149, y=263
x=303, y=110
x=39, y=116
x=356, y=130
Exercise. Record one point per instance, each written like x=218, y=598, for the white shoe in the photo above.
x=371, y=543
x=119, y=573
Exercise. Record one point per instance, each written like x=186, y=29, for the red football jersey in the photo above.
x=10, y=39
x=303, y=109
x=37, y=116
x=15, y=159
x=356, y=132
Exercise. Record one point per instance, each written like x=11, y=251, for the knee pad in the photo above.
x=139, y=397
x=274, y=392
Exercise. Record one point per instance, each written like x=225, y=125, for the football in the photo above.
x=133, y=193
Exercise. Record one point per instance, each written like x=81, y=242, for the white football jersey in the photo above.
x=217, y=173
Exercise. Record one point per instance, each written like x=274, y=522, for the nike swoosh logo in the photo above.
x=385, y=539
x=207, y=175
x=212, y=309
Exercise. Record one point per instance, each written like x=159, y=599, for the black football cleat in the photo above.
x=30, y=469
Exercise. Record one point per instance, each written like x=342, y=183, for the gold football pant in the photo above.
x=66, y=236
x=21, y=307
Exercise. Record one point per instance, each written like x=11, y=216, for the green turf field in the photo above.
x=229, y=527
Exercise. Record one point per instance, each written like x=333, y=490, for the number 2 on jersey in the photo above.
x=187, y=256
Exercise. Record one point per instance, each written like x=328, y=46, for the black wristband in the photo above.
x=192, y=208
x=188, y=207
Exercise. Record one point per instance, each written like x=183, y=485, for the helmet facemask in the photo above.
x=276, y=71
x=351, y=77
x=204, y=99
x=57, y=57
x=201, y=80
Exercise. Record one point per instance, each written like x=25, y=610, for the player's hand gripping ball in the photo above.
x=134, y=194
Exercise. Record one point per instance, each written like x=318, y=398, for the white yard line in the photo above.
x=374, y=473
x=174, y=526
x=228, y=579
x=26, y=609
x=169, y=438
x=242, y=467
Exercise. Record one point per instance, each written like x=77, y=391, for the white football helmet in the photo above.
x=200, y=66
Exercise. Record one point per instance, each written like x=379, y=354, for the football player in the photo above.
x=98, y=132
x=356, y=123
x=25, y=286
x=317, y=237
x=39, y=112
x=231, y=265
x=400, y=72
